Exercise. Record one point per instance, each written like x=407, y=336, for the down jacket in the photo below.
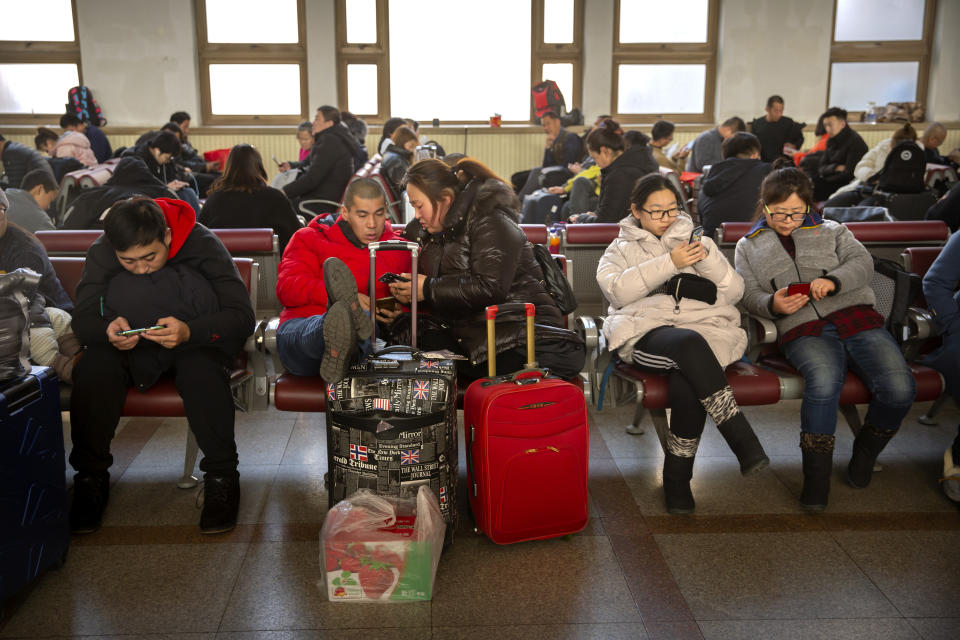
x=482, y=257
x=638, y=262
x=871, y=163
x=74, y=144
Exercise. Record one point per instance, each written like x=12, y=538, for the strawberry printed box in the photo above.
x=382, y=549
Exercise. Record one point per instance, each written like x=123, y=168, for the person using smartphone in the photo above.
x=672, y=311
x=323, y=283
x=822, y=333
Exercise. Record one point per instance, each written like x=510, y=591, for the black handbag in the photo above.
x=692, y=286
x=555, y=283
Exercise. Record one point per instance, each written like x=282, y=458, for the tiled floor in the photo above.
x=881, y=563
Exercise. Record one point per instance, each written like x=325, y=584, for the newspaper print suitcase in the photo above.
x=392, y=421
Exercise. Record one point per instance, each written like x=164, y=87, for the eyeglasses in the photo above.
x=673, y=212
x=783, y=216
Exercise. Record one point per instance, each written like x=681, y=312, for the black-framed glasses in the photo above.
x=672, y=212
x=783, y=216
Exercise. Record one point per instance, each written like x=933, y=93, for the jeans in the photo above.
x=873, y=355
x=300, y=345
x=188, y=195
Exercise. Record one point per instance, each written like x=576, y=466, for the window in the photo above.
x=880, y=52
x=38, y=39
x=253, y=62
x=664, y=67
x=392, y=58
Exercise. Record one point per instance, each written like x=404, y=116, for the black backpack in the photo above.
x=81, y=103
x=903, y=170
x=555, y=283
x=895, y=289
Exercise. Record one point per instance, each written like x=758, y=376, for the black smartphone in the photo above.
x=389, y=277
x=133, y=332
x=696, y=234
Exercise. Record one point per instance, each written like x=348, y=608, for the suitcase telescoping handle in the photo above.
x=530, y=311
x=393, y=245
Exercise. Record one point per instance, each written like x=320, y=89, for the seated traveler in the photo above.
x=386, y=134
x=324, y=323
x=947, y=208
x=158, y=154
x=706, y=149
x=933, y=136
x=562, y=148
x=241, y=198
x=474, y=254
x=779, y=135
x=730, y=191
x=661, y=136
x=397, y=157
x=826, y=331
x=358, y=129
x=844, y=149
x=620, y=168
x=18, y=160
x=867, y=169
x=690, y=339
x=167, y=268
x=203, y=171
x=29, y=203
x=73, y=143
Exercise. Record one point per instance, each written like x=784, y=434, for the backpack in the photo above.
x=15, y=287
x=895, y=289
x=547, y=97
x=555, y=283
x=81, y=103
x=903, y=170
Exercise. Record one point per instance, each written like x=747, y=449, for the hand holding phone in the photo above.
x=696, y=235
x=133, y=332
x=389, y=277
x=798, y=287
x=389, y=303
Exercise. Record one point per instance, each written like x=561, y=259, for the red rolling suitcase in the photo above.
x=527, y=450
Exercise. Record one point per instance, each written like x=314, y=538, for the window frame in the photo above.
x=249, y=53
x=668, y=53
x=378, y=53
x=887, y=51
x=35, y=52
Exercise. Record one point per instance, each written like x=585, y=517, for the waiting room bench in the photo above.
x=162, y=399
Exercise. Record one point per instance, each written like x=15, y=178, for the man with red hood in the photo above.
x=324, y=323
x=154, y=266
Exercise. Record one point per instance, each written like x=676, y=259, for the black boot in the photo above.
x=744, y=443
x=221, y=501
x=677, y=472
x=866, y=447
x=817, y=451
x=90, y=494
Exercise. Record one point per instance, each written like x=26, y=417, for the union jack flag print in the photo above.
x=358, y=452
x=443, y=495
x=331, y=391
x=381, y=403
x=428, y=364
x=421, y=390
x=410, y=456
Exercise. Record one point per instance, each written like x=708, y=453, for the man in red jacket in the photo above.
x=322, y=276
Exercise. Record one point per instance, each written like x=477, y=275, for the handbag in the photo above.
x=555, y=283
x=692, y=286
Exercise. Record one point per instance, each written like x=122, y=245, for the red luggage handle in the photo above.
x=530, y=311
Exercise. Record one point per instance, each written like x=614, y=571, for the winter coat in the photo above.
x=394, y=166
x=730, y=192
x=193, y=246
x=943, y=300
x=566, y=149
x=328, y=168
x=617, y=181
x=99, y=143
x=19, y=160
x=773, y=135
x=707, y=150
x=844, y=149
x=870, y=164
x=165, y=173
x=664, y=161
x=481, y=258
x=637, y=263
x=74, y=144
x=300, y=287
x=947, y=208
x=266, y=207
x=25, y=211
x=19, y=249
x=130, y=177
x=824, y=249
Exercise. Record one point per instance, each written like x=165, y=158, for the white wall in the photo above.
x=139, y=57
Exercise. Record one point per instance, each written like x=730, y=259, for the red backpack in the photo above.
x=547, y=97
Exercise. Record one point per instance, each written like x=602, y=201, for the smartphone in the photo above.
x=133, y=332
x=798, y=287
x=276, y=161
x=696, y=234
x=389, y=277
x=389, y=303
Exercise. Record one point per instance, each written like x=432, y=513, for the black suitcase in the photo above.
x=392, y=421
x=906, y=206
x=34, y=533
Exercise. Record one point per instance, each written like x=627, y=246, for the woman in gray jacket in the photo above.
x=812, y=278
x=672, y=311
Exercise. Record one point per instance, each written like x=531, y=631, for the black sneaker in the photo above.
x=90, y=494
x=221, y=501
x=340, y=343
x=341, y=286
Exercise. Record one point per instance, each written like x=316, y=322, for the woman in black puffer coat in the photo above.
x=473, y=255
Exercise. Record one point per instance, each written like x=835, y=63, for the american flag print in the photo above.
x=381, y=403
x=443, y=495
x=409, y=456
x=421, y=390
x=331, y=391
x=358, y=452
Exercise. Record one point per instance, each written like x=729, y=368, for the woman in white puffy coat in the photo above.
x=690, y=339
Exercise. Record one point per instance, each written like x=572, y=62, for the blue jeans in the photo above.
x=188, y=195
x=300, y=345
x=873, y=355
